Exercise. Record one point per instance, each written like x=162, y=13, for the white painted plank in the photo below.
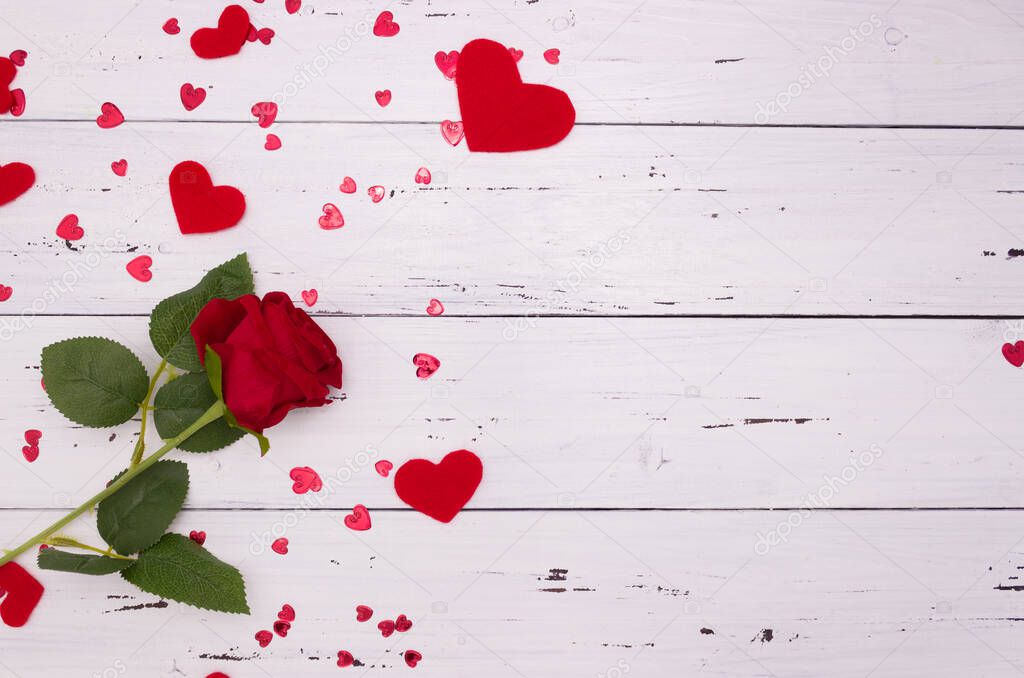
x=595, y=413
x=614, y=221
x=913, y=62
x=848, y=594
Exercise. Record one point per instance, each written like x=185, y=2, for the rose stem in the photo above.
x=140, y=446
x=216, y=410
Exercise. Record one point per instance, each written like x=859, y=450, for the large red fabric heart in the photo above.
x=439, y=490
x=224, y=40
x=7, y=72
x=501, y=113
x=15, y=179
x=23, y=593
x=200, y=206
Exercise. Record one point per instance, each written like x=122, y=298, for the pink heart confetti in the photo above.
x=422, y=176
x=363, y=613
x=310, y=296
x=17, y=57
x=191, y=96
x=197, y=536
x=435, y=307
x=280, y=546
x=273, y=142
x=119, y=167
x=265, y=112
x=348, y=185
x=5, y=292
x=68, y=228
x=33, y=436
x=384, y=26
x=17, y=102
x=264, y=638
x=383, y=97
x=552, y=55
x=171, y=26
x=446, y=63
x=376, y=193
x=332, y=217
x=359, y=519
x=110, y=116
x=287, y=613
x=383, y=467
x=306, y=479
x=452, y=131
x=138, y=268
x=386, y=627
x=426, y=365
x=517, y=54
x=412, y=658
x=345, y=658
x=1014, y=353
x=292, y=6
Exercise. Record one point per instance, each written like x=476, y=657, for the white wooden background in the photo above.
x=772, y=297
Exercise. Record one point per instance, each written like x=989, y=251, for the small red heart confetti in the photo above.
x=310, y=296
x=138, y=268
x=402, y=623
x=280, y=546
x=266, y=112
x=412, y=658
x=110, y=116
x=422, y=176
x=306, y=479
x=30, y=452
x=282, y=627
x=264, y=638
x=251, y=36
x=359, y=519
x=452, y=131
x=446, y=63
x=197, y=536
x=5, y=292
x=435, y=307
x=119, y=167
x=363, y=613
x=191, y=96
x=68, y=228
x=15, y=179
x=171, y=26
x=348, y=185
x=273, y=142
x=552, y=55
x=1014, y=353
x=332, y=217
x=265, y=35
x=383, y=97
x=292, y=6
x=384, y=26
x=517, y=54
x=345, y=658
x=33, y=436
x=224, y=40
x=17, y=102
x=18, y=57
x=376, y=193
x=287, y=613
x=387, y=627
x=383, y=467
x=426, y=365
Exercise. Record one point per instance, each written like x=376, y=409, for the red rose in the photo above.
x=274, y=357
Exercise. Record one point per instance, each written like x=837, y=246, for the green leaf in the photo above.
x=214, y=371
x=94, y=381
x=183, y=400
x=180, y=569
x=135, y=517
x=169, y=324
x=80, y=563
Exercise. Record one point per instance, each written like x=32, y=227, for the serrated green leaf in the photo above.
x=136, y=516
x=169, y=324
x=94, y=381
x=180, y=569
x=183, y=400
x=80, y=563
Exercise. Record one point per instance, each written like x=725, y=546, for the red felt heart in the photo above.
x=23, y=593
x=499, y=111
x=15, y=179
x=439, y=490
x=224, y=40
x=7, y=72
x=200, y=206
x=1014, y=353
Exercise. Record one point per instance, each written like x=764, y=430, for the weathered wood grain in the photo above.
x=578, y=412
x=847, y=595
x=614, y=221
x=913, y=62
